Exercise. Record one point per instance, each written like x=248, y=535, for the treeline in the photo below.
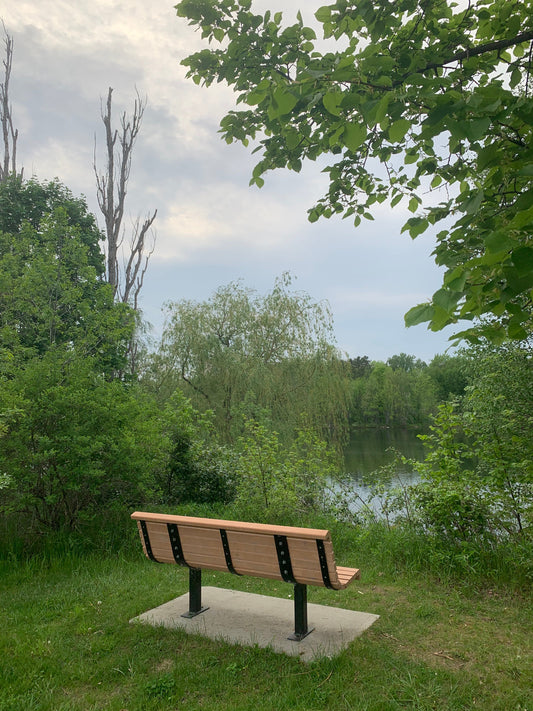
x=404, y=391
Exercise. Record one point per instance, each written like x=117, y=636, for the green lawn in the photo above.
x=66, y=645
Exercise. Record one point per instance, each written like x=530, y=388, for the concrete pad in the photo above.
x=250, y=619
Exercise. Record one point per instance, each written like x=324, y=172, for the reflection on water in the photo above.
x=368, y=449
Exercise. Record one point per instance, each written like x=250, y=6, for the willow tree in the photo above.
x=429, y=102
x=241, y=353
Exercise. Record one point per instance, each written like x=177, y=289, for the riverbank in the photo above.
x=446, y=644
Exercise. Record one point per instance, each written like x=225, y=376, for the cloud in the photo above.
x=223, y=218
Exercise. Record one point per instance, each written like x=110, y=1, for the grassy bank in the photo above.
x=66, y=644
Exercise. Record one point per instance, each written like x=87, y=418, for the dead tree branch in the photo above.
x=111, y=188
x=8, y=165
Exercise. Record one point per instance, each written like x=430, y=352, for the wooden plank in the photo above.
x=202, y=547
x=253, y=551
x=346, y=575
x=244, y=526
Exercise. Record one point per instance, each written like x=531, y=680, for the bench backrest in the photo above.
x=296, y=555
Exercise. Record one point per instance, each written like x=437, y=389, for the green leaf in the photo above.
x=523, y=260
x=396, y=199
x=456, y=279
x=323, y=14
x=283, y=103
x=354, y=136
x=446, y=300
x=411, y=156
x=413, y=204
x=516, y=331
x=472, y=204
x=498, y=242
x=419, y=314
x=332, y=101
x=476, y=129
x=415, y=225
x=398, y=130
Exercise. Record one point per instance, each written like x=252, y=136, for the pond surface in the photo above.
x=370, y=449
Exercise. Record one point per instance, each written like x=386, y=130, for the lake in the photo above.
x=370, y=449
x=367, y=449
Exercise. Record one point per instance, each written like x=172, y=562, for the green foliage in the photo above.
x=73, y=443
x=425, y=103
x=51, y=288
x=473, y=505
x=240, y=353
x=498, y=411
x=75, y=439
x=279, y=485
x=393, y=395
x=30, y=202
x=197, y=467
x=450, y=375
x=477, y=477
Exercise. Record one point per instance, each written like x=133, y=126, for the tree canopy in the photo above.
x=52, y=288
x=428, y=102
x=244, y=354
x=74, y=436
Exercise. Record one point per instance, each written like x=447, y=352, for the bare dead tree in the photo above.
x=137, y=262
x=8, y=165
x=111, y=187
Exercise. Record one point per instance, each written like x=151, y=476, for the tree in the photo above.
x=74, y=438
x=279, y=484
x=112, y=186
x=73, y=444
x=408, y=363
x=399, y=393
x=52, y=290
x=450, y=374
x=8, y=165
x=360, y=366
x=420, y=97
x=241, y=354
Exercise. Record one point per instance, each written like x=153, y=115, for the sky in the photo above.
x=211, y=228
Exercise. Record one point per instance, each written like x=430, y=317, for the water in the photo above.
x=369, y=450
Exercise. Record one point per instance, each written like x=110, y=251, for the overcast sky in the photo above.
x=211, y=227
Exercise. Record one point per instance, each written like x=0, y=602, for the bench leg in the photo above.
x=195, y=593
x=301, y=628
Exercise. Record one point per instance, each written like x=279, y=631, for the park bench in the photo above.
x=301, y=556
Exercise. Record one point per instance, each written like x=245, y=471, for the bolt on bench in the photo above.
x=301, y=556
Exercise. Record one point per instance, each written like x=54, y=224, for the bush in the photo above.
x=73, y=443
x=282, y=485
x=197, y=468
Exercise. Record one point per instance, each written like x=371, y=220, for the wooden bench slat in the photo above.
x=265, y=528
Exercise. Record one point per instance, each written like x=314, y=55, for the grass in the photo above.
x=66, y=644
